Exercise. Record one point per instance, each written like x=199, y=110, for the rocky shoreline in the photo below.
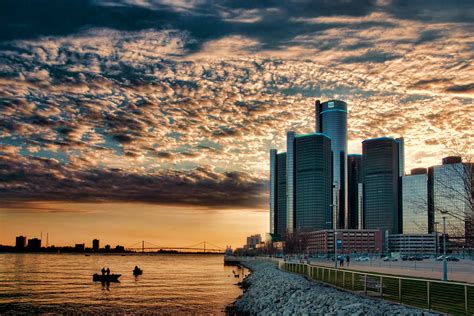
x=268, y=290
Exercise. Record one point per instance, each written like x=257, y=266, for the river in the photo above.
x=62, y=283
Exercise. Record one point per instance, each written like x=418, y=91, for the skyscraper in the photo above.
x=273, y=191
x=449, y=192
x=281, y=195
x=313, y=175
x=278, y=209
x=290, y=182
x=381, y=198
x=354, y=186
x=95, y=245
x=20, y=243
x=415, y=202
x=331, y=120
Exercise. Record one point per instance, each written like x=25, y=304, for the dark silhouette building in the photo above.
x=313, y=175
x=20, y=243
x=34, y=244
x=331, y=120
x=95, y=245
x=381, y=196
x=278, y=208
x=80, y=247
x=354, y=188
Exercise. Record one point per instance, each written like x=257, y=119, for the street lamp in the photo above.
x=436, y=241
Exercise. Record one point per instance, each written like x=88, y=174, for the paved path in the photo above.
x=457, y=271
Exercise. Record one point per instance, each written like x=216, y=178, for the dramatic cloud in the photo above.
x=134, y=100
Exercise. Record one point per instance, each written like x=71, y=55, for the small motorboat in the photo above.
x=106, y=277
x=137, y=271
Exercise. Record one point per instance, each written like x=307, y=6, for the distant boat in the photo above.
x=105, y=277
x=137, y=272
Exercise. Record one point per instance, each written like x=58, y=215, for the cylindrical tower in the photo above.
x=331, y=120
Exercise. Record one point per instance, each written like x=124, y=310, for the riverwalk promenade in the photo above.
x=462, y=271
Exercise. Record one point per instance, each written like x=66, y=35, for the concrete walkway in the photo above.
x=457, y=271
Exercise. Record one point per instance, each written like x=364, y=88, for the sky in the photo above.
x=136, y=120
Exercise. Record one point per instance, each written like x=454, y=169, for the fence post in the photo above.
x=365, y=284
x=381, y=286
x=428, y=294
x=353, y=281
x=400, y=290
x=465, y=299
x=343, y=279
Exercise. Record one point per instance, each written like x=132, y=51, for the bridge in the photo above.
x=201, y=247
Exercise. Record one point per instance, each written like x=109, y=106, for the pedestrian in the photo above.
x=348, y=259
x=103, y=271
x=107, y=271
x=341, y=261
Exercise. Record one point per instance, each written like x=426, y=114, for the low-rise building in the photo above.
x=253, y=241
x=34, y=244
x=407, y=244
x=20, y=243
x=350, y=241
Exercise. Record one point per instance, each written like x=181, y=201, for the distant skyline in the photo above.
x=138, y=119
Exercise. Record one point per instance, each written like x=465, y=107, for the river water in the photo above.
x=62, y=283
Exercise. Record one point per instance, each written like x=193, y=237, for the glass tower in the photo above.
x=281, y=195
x=273, y=190
x=290, y=182
x=313, y=182
x=448, y=192
x=415, y=202
x=354, y=177
x=381, y=198
x=331, y=120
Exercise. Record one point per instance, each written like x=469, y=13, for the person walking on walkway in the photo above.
x=348, y=259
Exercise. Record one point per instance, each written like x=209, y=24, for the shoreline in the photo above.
x=268, y=290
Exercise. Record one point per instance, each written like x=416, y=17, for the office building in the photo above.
x=95, y=245
x=415, y=202
x=34, y=244
x=331, y=120
x=354, y=188
x=381, y=196
x=351, y=241
x=20, y=243
x=278, y=209
x=253, y=241
x=290, y=182
x=273, y=191
x=449, y=189
x=313, y=172
x=413, y=244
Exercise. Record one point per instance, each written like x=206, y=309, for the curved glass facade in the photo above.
x=290, y=182
x=380, y=163
x=331, y=120
x=313, y=182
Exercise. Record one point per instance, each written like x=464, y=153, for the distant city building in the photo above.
x=253, y=241
x=449, y=189
x=278, y=209
x=354, y=188
x=381, y=197
x=331, y=120
x=80, y=247
x=290, y=182
x=34, y=244
x=119, y=248
x=415, y=202
x=412, y=244
x=95, y=245
x=107, y=248
x=20, y=243
x=312, y=182
x=352, y=241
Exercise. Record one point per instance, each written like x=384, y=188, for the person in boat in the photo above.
x=103, y=271
x=136, y=270
x=107, y=271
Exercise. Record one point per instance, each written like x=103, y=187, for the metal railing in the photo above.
x=445, y=297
